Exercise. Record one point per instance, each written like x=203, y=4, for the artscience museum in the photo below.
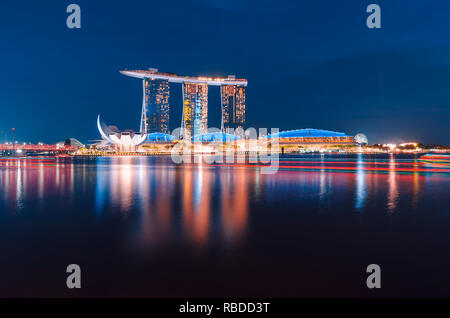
x=125, y=140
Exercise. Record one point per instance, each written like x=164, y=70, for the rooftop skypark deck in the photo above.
x=173, y=78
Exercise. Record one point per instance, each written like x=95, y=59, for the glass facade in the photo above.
x=233, y=106
x=157, y=94
x=195, y=109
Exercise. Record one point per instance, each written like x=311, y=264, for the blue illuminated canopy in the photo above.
x=215, y=137
x=159, y=137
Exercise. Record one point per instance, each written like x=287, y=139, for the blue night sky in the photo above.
x=310, y=64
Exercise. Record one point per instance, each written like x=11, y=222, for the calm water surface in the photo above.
x=148, y=227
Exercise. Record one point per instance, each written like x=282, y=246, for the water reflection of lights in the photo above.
x=122, y=180
x=393, y=191
x=22, y=178
x=234, y=198
x=196, y=205
x=322, y=176
x=339, y=168
x=155, y=191
x=199, y=203
x=361, y=186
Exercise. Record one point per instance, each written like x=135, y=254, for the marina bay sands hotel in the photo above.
x=155, y=101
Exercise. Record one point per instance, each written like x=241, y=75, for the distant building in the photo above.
x=71, y=142
x=310, y=136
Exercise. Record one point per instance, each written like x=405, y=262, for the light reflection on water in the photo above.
x=393, y=190
x=214, y=230
x=160, y=192
x=199, y=201
x=361, y=184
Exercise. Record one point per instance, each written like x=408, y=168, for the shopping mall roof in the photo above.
x=159, y=137
x=215, y=137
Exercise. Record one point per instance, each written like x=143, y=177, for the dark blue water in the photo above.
x=148, y=227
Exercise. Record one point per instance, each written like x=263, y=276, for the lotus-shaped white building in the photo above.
x=124, y=139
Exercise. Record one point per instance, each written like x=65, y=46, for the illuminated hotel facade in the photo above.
x=155, y=101
x=233, y=106
x=195, y=109
x=155, y=108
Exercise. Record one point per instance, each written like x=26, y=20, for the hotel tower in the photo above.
x=155, y=102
